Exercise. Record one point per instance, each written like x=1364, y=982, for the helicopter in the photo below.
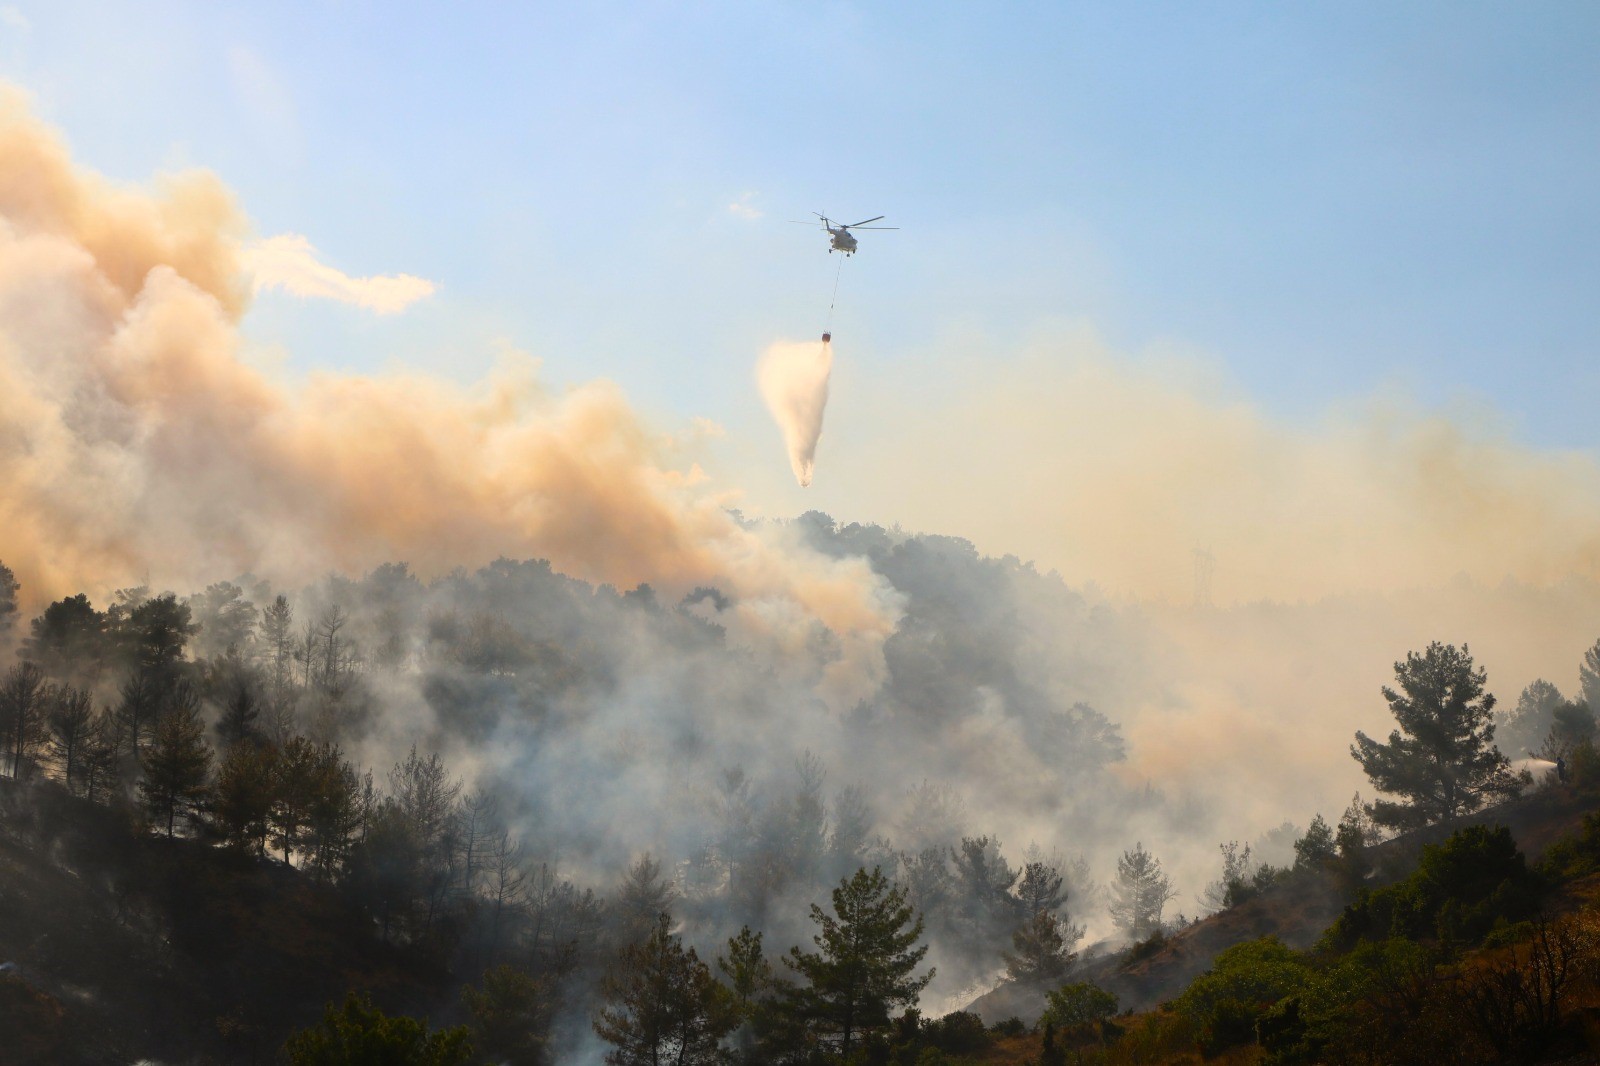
x=842, y=240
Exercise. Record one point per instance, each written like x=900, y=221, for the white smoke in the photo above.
x=794, y=382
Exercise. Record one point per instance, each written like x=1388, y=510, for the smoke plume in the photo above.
x=136, y=444
x=794, y=382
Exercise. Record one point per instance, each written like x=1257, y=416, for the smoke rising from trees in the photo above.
x=136, y=441
x=676, y=681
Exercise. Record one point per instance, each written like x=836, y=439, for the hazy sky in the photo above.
x=1321, y=201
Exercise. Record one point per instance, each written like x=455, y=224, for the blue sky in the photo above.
x=1324, y=199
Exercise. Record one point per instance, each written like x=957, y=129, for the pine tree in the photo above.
x=1317, y=849
x=663, y=1005
x=1040, y=889
x=864, y=966
x=239, y=721
x=1232, y=886
x=72, y=722
x=1589, y=675
x=293, y=785
x=511, y=1013
x=642, y=897
x=136, y=713
x=1041, y=949
x=24, y=700
x=8, y=602
x=68, y=640
x=245, y=794
x=99, y=758
x=752, y=990
x=1442, y=759
x=177, y=767
x=1140, y=893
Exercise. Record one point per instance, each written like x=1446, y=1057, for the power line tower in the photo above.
x=1204, y=564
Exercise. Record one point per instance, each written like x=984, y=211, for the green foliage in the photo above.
x=1323, y=1013
x=662, y=1004
x=1039, y=951
x=1243, y=983
x=1583, y=766
x=1576, y=854
x=1009, y=1027
x=1505, y=933
x=1458, y=891
x=358, y=1034
x=754, y=996
x=865, y=962
x=511, y=1012
x=1442, y=759
x=1317, y=850
x=957, y=1033
x=1571, y=724
x=1077, y=1004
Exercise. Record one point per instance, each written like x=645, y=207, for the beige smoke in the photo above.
x=1114, y=468
x=136, y=445
x=794, y=382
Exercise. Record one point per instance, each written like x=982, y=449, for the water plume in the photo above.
x=794, y=382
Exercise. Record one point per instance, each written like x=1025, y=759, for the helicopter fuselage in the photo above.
x=843, y=241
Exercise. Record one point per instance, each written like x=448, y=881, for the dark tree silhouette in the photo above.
x=662, y=1005
x=24, y=700
x=1589, y=675
x=865, y=962
x=1041, y=950
x=245, y=794
x=72, y=725
x=1442, y=759
x=9, y=588
x=177, y=766
x=240, y=717
x=511, y=1013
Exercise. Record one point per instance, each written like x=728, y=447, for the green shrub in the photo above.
x=1459, y=890
x=958, y=1033
x=1243, y=983
x=1078, y=1004
x=358, y=1033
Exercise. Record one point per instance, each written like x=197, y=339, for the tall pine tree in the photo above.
x=864, y=966
x=1442, y=760
x=663, y=1005
x=177, y=765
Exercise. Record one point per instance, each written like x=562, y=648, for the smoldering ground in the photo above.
x=960, y=694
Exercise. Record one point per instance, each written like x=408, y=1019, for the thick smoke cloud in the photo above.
x=1118, y=465
x=135, y=443
x=794, y=382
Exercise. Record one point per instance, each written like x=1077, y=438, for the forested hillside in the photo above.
x=578, y=821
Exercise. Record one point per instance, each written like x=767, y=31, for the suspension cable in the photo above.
x=828, y=327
